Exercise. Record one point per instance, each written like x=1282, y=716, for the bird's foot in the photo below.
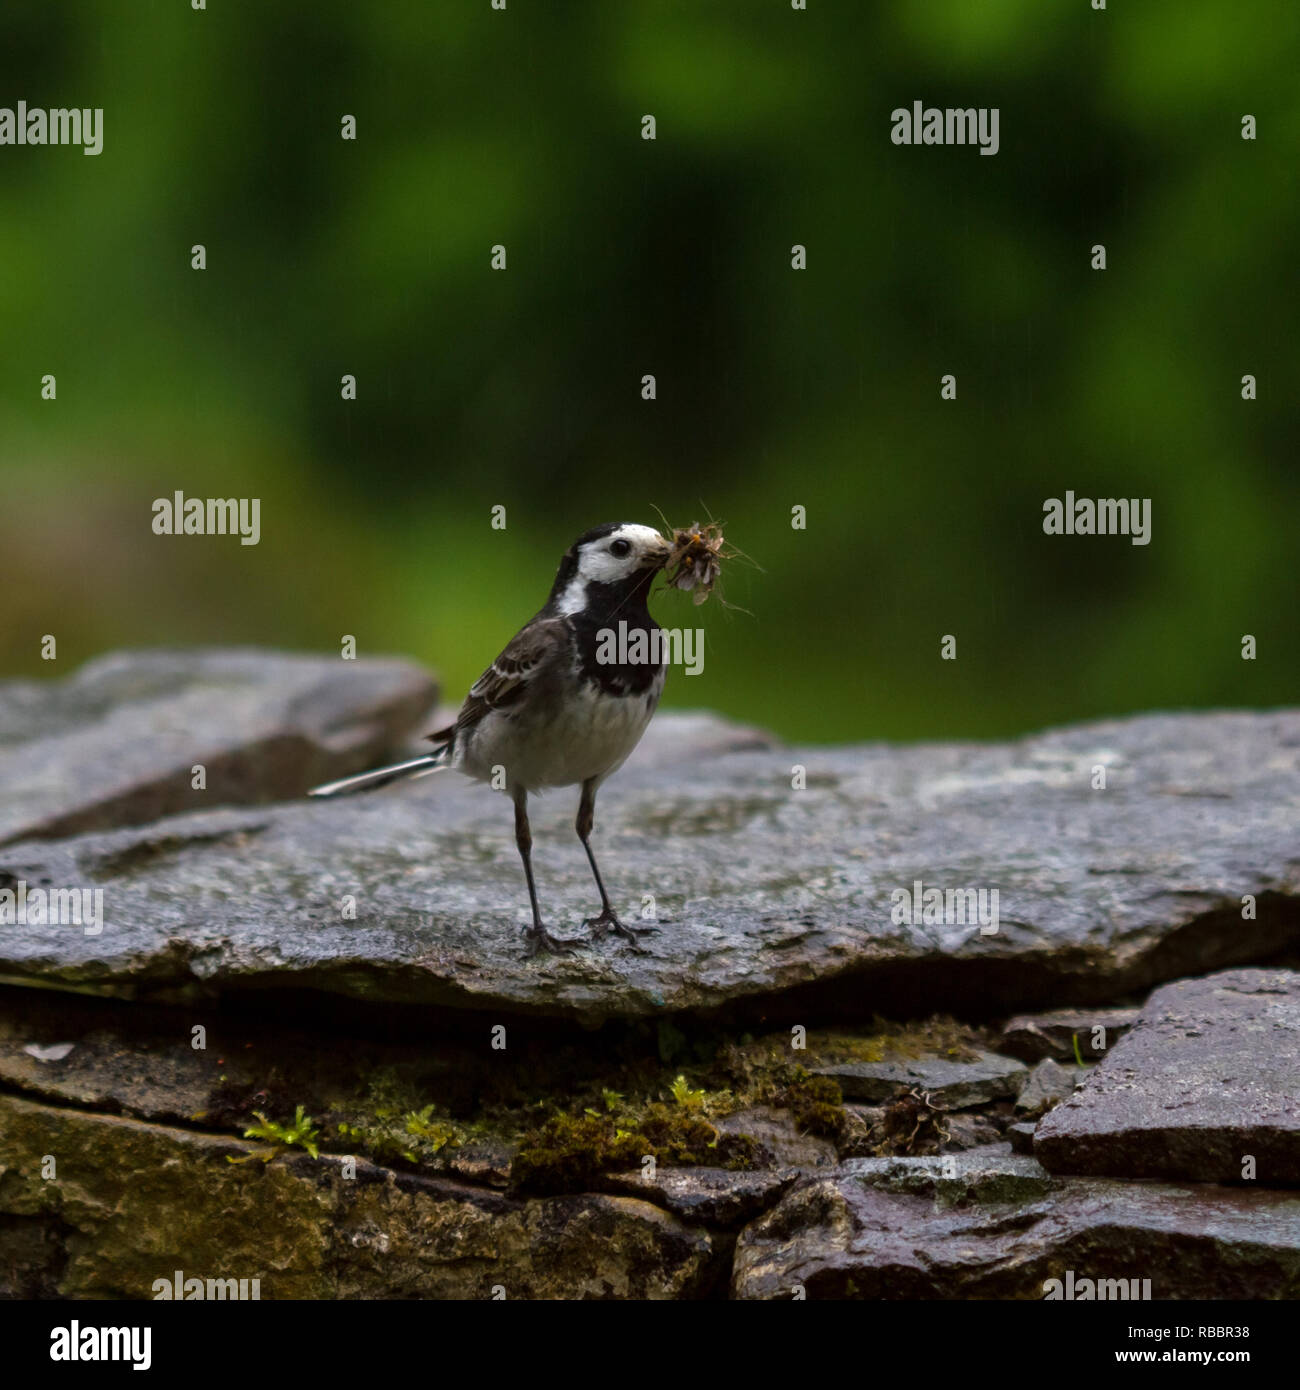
x=608, y=921
x=538, y=941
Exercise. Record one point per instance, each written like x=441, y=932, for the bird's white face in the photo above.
x=614, y=559
x=621, y=554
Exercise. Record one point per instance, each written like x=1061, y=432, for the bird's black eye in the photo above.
x=620, y=547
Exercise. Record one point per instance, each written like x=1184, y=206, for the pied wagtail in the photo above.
x=547, y=712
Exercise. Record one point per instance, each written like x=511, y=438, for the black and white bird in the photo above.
x=549, y=712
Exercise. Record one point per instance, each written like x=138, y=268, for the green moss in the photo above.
x=414, y=1135
x=939, y=1035
x=574, y=1112
x=569, y=1152
x=299, y=1131
x=816, y=1102
x=687, y=1098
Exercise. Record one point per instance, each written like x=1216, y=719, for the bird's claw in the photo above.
x=538, y=941
x=608, y=921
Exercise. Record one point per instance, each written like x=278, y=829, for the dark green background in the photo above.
x=522, y=388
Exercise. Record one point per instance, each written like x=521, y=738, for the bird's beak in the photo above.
x=658, y=558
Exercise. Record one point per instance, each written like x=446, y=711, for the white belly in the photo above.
x=588, y=735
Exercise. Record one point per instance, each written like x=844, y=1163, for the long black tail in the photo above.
x=382, y=776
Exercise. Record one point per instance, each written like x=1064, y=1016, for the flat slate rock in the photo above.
x=969, y=1131
x=1036, y=1037
x=115, y=743
x=950, y=1085
x=987, y=1224
x=784, y=1143
x=772, y=901
x=1021, y=1136
x=991, y=1172
x=714, y=1197
x=1049, y=1084
x=1209, y=1076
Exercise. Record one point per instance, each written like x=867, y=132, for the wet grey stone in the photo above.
x=1033, y=1037
x=773, y=903
x=109, y=1070
x=714, y=1197
x=786, y=1145
x=1049, y=1083
x=988, y=1173
x=950, y=1085
x=689, y=734
x=114, y=743
x=970, y=1131
x=1021, y=1136
x=1209, y=1075
x=1001, y=1228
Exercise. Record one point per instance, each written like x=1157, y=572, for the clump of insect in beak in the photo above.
x=696, y=559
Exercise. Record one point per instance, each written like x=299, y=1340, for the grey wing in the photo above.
x=532, y=651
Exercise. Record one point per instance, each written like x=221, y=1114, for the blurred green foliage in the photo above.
x=775, y=387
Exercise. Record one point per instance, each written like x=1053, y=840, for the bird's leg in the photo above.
x=608, y=919
x=539, y=939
